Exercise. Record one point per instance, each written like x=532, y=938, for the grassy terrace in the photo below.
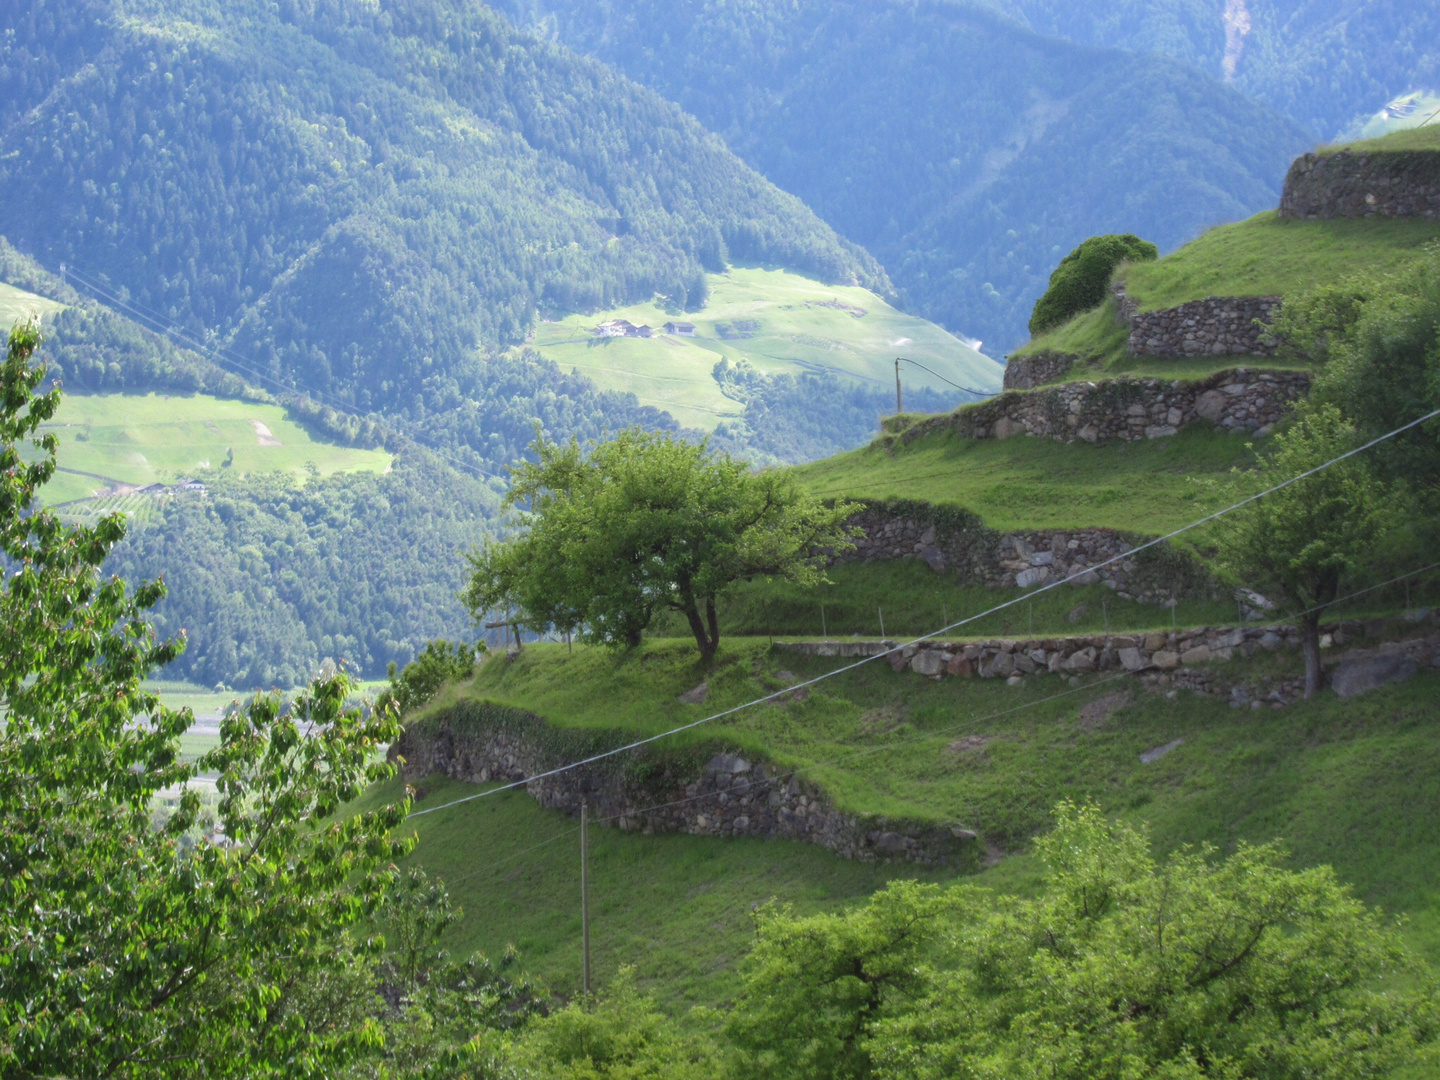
x=1024, y=483
x=781, y=322
x=135, y=439
x=1268, y=256
x=1355, y=784
x=16, y=304
x=1416, y=138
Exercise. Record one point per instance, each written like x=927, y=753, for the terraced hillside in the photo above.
x=1184, y=714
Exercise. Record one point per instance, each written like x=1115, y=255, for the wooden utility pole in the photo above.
x=899, y=405
x=585, y=892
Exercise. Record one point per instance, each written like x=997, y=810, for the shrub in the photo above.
x=1079, y=282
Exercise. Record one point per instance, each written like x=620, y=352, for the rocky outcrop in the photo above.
x=1350, y=185
x=950, y=541
x=1127, y=410
x=717, y=793
x=1028, y=372
x=1215, y=326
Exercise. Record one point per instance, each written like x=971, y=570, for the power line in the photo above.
x=942, y=378
x=944, y=629
x=166, y=327
x=935, y=733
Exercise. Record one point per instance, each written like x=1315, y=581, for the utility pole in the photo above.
x=899, y=405
x=585, y=892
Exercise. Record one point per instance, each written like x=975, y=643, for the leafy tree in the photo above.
x=1379, y=341
x=1122, y=967
x=814, y=989
x=140, y=951
x=1302, y=542
x=619, y=1035
x=1079, y=282
x=437, y=664
x=646, y=521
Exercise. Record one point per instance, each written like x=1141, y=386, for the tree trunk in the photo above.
x=703, y=640
x=1310, y=640
x=714, y=624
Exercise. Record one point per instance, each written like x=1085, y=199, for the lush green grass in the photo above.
x=1269, y=256
x=914, y=600
x=16, y=304
x=1411, y=138
x=795, y=325
x=1100, y=338
x=1024, y=483
x=1355, y=784
x=133, y=439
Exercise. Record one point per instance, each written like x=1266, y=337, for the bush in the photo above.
x=423, y=677
x=1079, y=282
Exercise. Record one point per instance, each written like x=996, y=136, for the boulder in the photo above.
x=960, y=667
x=727, y=763
x=1164, y=659
x=928, y=662
x=1036, y=575
x=1132, y=659
x=1211, y=405
x=696, y=695
x=1353, y=677
x=1200, y=654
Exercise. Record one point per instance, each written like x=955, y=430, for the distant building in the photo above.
x=680, y=329
x=191, y=485
x=623, y=328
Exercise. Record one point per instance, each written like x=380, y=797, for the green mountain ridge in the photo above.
x=362, y=197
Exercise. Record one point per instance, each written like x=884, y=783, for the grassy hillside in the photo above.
x=16, y=304
x=1269, y=256
x=1425, y=137
x=1354, y=784
x=780, y=323
x=1262, y=256
x=109, y=440
x=1023, y=483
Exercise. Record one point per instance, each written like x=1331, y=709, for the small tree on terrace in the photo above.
x=643, y=522
x=1301, y=543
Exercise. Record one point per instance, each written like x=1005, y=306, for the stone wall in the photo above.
x=722, y=794
x=1028, y=372
x=951, y=542
x=1349, y=185
x=1241, y=399
x=1215, y=326
x=1175, y=659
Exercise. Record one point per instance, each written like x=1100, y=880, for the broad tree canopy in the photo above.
x=644, y=522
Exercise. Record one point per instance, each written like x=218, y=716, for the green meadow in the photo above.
x=1354, y=784
x=778, y=321
x=110, y=440
x=1024, y=483
x=17, y=304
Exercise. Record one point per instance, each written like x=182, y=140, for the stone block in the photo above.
x=1211, y=405
x=1036, y=575
x=1165, y=659
x=1153, y=642
x=959, y=666
x=1353, y=677
x=927, y=662
x=1200, y=654
x=1132, y=659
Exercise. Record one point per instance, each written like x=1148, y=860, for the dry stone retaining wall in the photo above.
x=1028, y=372
x=1215, y=326
x=961, y=544
x=1349, y=185
x=1127, y=410
x=726, y=795
x=1165, y=660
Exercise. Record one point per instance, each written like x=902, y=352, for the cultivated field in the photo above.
x=781, y=323
x=113, y=440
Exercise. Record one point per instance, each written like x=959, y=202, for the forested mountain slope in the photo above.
x=361, y=196
x=966, y=151
x=1322, y=63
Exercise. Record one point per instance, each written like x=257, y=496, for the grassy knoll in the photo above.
x=781, y=322
x=16, y=304
x=133, y=439
x=1024, y=483
x=1269, y=256
x=1355, y=784
x=1414, y=138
